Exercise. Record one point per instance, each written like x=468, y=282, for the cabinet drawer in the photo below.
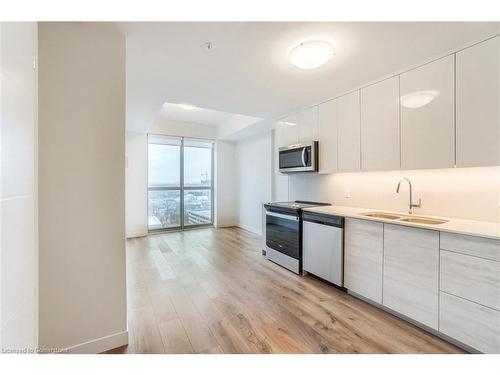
x=470, y=323
x=476, y=246
x=475, y=279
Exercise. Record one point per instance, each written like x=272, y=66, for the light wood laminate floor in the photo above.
x=211, y=291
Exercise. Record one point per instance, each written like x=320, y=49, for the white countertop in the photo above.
x=469, y=227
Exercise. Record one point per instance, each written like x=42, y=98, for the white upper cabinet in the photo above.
x=427, y=115
x=380, y=135
x=478, y=100
x=287, y=132
x=301, y=127
x=440, y=115
x=328, y=145
x=349, y=132
x=307, y=122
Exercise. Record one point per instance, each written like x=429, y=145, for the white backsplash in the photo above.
x=469, y=193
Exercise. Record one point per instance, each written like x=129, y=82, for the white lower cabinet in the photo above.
x=445, y=281
x=411, y=270
x=470, y=323
x=469, y=308
x=472, y=278
x=363, y=248
x=480, y=247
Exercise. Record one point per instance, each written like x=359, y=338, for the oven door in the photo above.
x=298, y=158
x=283, y=234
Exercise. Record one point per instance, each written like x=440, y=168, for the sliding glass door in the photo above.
x=180, y=182
x=164, y=182
x=197, y=182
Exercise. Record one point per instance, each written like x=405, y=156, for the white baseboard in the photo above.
x=100, y=345
x=136, y=235
x=225, y=225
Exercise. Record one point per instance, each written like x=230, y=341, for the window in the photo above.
x=180, y=183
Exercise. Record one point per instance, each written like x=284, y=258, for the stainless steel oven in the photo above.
x=284, y=240
x=299, y=158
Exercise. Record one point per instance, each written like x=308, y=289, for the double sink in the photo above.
x=407, y=219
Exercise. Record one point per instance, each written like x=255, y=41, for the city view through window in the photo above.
x=168, y=193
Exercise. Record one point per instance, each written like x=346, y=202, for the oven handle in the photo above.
x=304, y=157
x=286, y=217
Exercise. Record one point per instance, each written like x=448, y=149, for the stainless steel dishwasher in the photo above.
x=323, y=246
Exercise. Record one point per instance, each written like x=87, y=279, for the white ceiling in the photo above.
x=203, y=116
x=247, y=72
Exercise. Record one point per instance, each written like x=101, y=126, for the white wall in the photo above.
x=225, y=187
x=253, y=164
x=469, y=193
x=18, y=232
x=137, y=164
x=81, y=186
x=136, y=184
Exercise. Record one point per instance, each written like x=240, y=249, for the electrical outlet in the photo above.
x=347, y=193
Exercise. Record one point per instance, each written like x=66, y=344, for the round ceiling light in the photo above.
x=311, y=55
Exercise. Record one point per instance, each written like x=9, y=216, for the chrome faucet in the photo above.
x=411, y=205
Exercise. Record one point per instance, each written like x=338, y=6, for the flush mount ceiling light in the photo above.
x=288, y=123
x=418, y=99
x=187, y=107
x=311, y=55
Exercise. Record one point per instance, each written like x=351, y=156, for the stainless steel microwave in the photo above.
x=299, y=158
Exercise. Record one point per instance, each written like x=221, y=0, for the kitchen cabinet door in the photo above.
x=487, y=248
x=427, y=115
x=328, y=145
x=475, y=279
x=286, y=132
x=349, y=132
x=363, y=252
x=468, y=322
x=380, y=135
x=308, y=125
x=478, y=100
x=411, y=272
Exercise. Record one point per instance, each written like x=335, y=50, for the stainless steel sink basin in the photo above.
x=381, y=215
x=422, y=220
x=407, y=219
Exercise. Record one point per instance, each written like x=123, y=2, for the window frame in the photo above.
x=182, y=188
